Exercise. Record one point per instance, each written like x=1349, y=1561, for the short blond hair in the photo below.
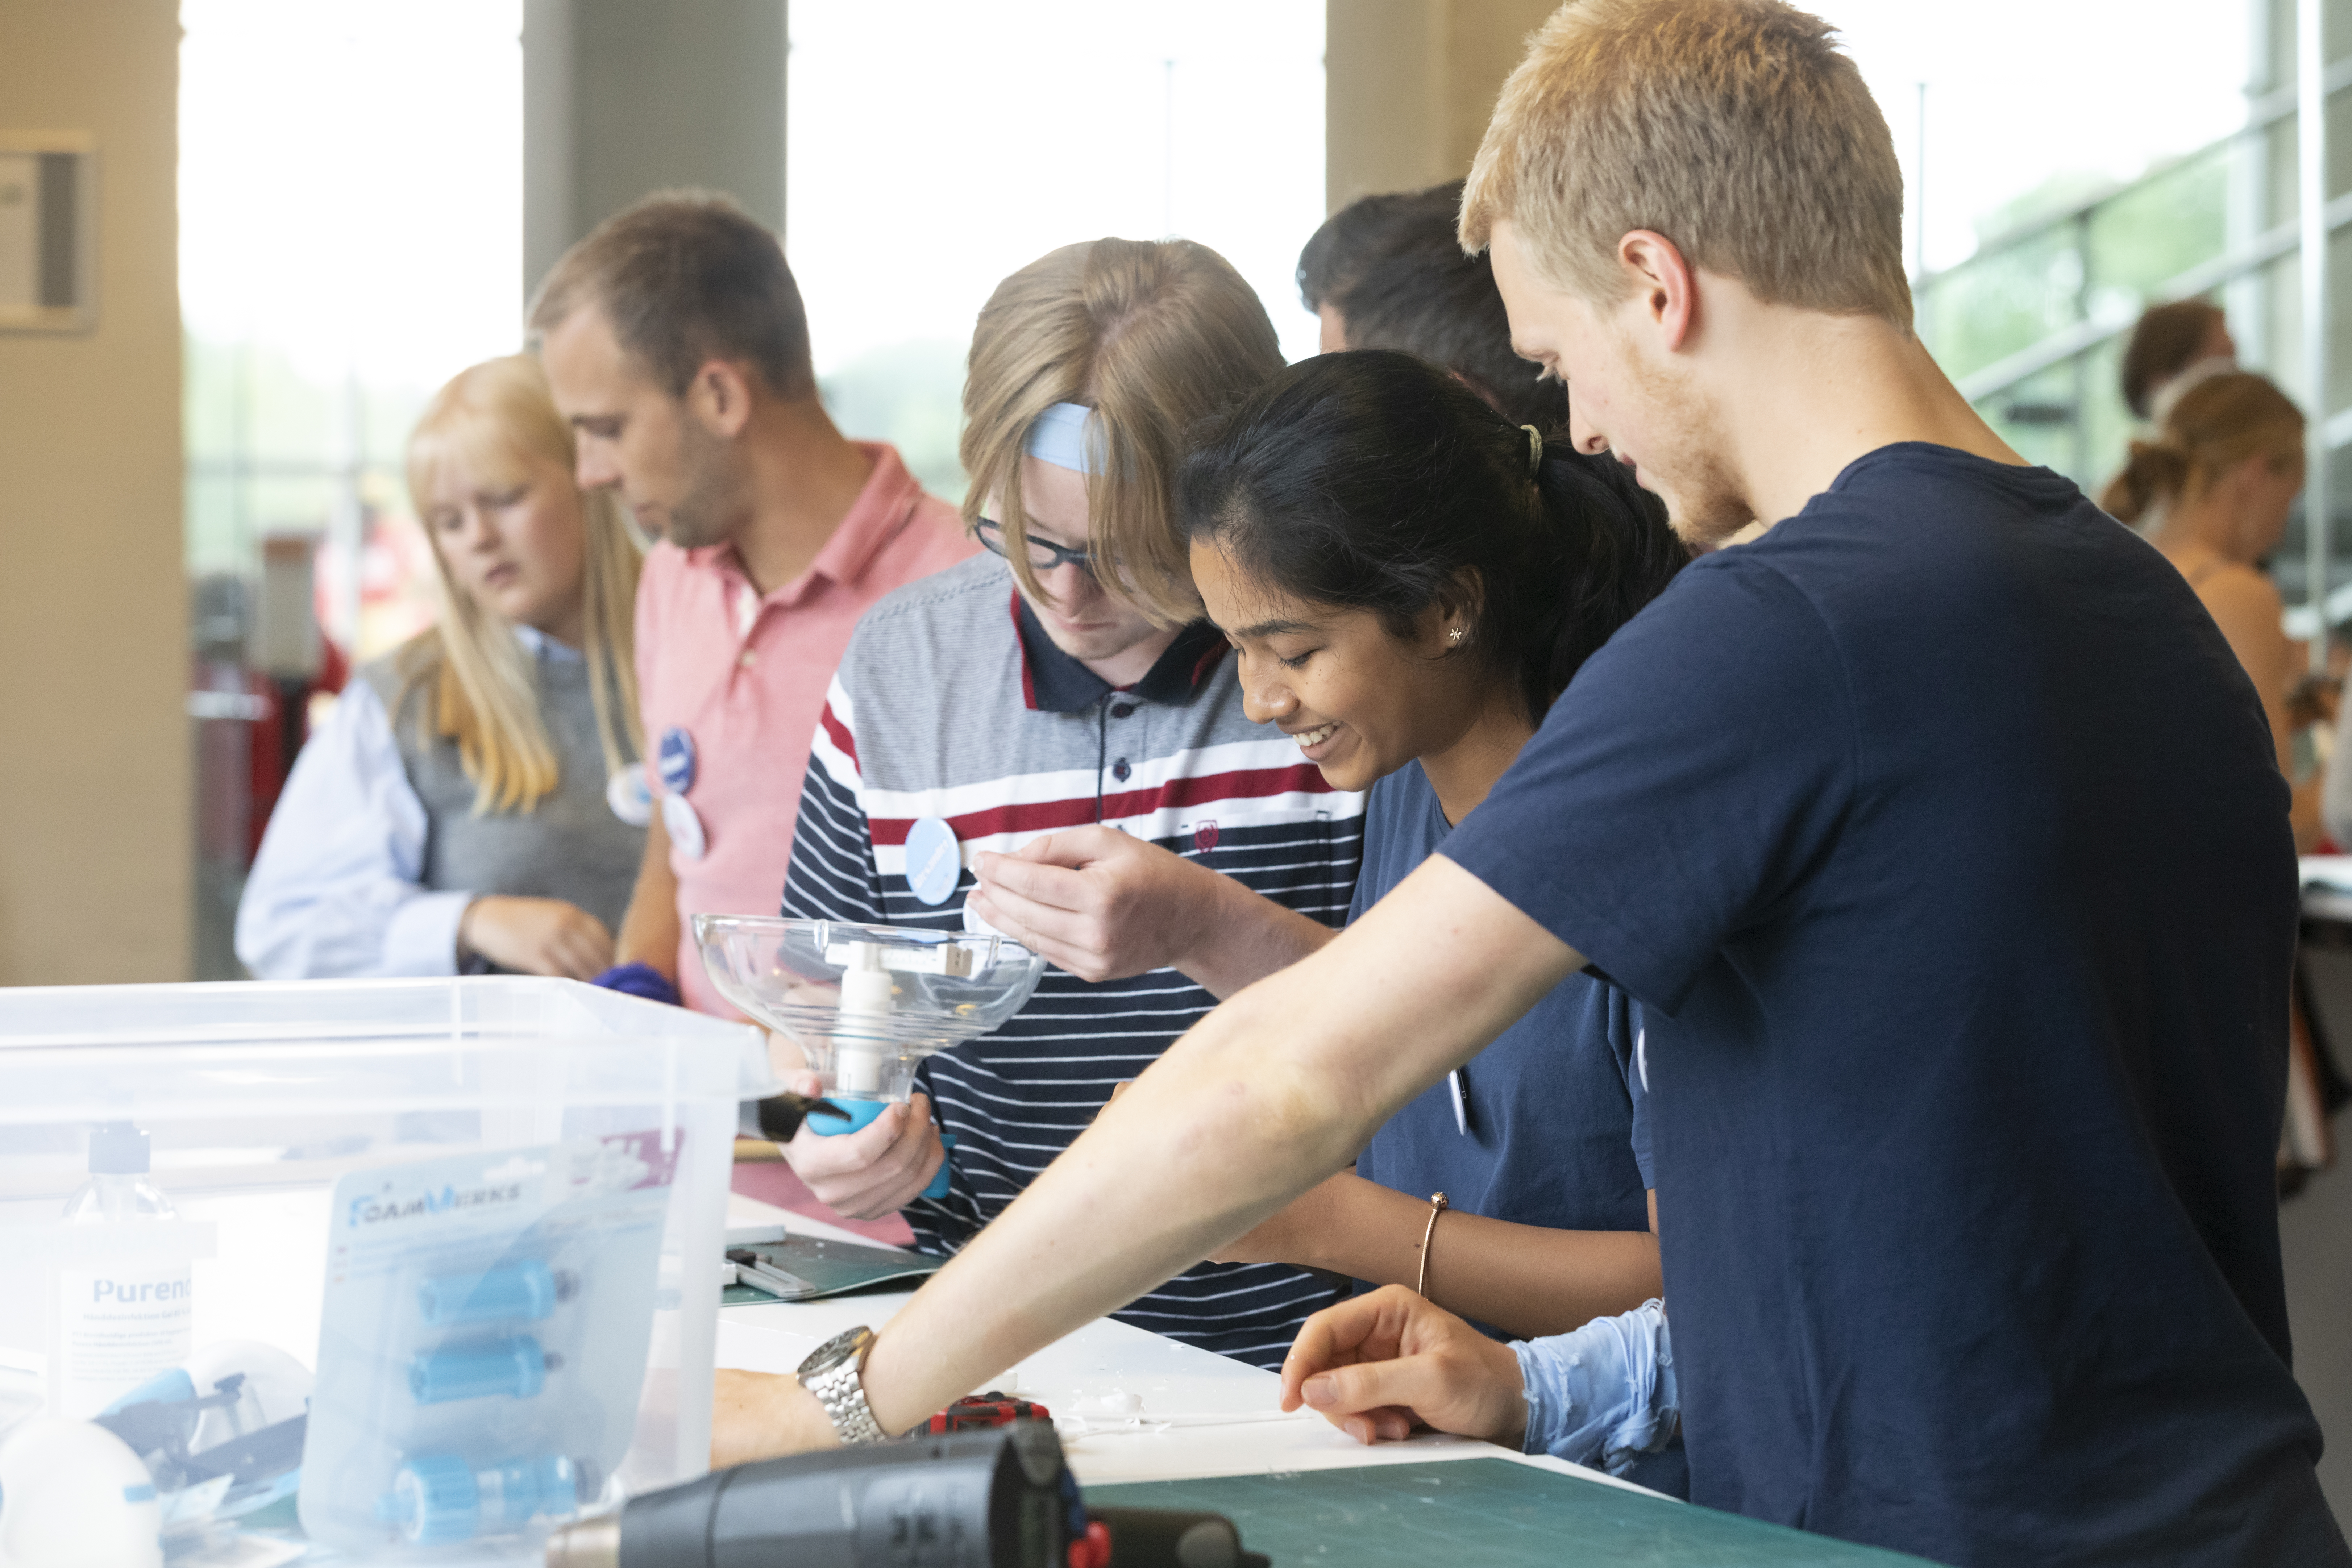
x=1152, y=335
x=1736, y=128
x=479, y=681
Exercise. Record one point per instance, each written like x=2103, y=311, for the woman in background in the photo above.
x=2222, y=473
x=457, y=811
x=2172, y=348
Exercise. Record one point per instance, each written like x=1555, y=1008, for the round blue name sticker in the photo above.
x=933, y=862
x=674, y=758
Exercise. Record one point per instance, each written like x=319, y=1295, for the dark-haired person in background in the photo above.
x=1410, y=650
x=1387, y=272
x=677, y=347
x=2172, y=347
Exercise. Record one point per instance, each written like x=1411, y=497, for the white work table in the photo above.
x=1200, y=1414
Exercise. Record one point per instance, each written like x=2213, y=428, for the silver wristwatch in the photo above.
x=834, y=1373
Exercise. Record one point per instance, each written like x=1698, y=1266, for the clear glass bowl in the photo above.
x=866, y=1003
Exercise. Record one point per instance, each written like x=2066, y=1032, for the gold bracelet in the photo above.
x=1436, y=1208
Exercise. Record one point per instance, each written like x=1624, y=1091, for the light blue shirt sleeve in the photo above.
x=335, y=891
x=1605, y=1393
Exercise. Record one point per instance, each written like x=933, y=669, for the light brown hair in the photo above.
x=685, y=278
x=480, y=690
x=1735, y=128
x=2217, y=425
x=1152, y=335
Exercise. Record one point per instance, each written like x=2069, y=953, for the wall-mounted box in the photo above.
x=49, y=232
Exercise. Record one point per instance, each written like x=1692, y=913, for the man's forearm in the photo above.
x=1273, y=1091
x=649, y=931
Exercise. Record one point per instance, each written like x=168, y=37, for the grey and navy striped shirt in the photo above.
x=952, y=702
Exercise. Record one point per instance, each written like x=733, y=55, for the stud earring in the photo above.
x=1452, y=635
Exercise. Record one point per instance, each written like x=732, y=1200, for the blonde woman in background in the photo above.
x=457, y=813
x=2222, y=474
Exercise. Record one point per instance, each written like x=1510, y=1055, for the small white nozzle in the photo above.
x=865, y=984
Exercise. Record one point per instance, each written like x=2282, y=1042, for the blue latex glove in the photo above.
x=1605, y=1393
x=639, y=980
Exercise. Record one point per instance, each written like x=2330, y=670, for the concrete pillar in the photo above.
x=1408, y=85
x=623, y=96
x=95, y=864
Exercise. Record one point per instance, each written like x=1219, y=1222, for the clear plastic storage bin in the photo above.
x=256, y=1101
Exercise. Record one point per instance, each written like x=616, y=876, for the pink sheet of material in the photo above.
x=773, y=1182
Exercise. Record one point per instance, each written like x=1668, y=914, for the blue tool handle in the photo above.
x=860, y=1116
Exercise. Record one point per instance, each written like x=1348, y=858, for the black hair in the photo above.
x=1393, y=269
x=1376, y=482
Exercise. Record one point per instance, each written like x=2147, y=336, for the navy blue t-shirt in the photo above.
x=1941, y=838
x=1550, y=1106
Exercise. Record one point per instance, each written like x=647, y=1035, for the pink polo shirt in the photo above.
x=745, y=677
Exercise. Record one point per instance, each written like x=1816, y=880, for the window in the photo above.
x=350, y=235
x=933, y=147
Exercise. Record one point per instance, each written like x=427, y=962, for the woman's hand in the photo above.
x=875, y=1171
x=536, y=936
x=1105, y=905
x=1377, y=1366
x=1098, y=902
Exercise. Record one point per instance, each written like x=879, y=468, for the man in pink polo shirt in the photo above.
x=676, y=344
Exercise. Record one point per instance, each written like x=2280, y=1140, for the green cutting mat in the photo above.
x=1491, y=1513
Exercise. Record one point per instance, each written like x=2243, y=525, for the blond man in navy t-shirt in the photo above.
x=1939, y=835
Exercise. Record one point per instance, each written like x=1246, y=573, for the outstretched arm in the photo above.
x=1270, y=1093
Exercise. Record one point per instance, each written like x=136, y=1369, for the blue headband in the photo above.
x=1060, y=436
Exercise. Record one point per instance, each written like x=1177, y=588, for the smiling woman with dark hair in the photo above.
x=1409, y=580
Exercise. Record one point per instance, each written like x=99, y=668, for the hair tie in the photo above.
x=1535, y=450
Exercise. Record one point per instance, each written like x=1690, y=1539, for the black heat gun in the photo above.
x=1001, y=1497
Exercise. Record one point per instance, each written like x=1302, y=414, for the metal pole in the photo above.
x=1167, y=149
x=2311, y=172
x=2081, y=387
x=1919, y=193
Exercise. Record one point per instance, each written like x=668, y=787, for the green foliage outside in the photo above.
x=911, y=395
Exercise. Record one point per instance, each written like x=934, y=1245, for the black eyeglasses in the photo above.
x=1045, y=555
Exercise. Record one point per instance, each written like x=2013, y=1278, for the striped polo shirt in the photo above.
x=952, y=701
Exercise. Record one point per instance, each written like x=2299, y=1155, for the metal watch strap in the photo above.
x=842, y=1391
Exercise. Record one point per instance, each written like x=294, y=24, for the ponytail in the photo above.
x=2155, y=471
x=2216, y=424
x=1373, y=481
x=1615, y=553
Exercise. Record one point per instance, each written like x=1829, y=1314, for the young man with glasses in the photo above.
x=1062, y=687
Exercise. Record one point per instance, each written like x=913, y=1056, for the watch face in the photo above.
x=841, y=1347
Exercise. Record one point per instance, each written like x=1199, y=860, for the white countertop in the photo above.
x=1199, y=1414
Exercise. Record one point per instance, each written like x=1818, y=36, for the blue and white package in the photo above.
x=483, y=1341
